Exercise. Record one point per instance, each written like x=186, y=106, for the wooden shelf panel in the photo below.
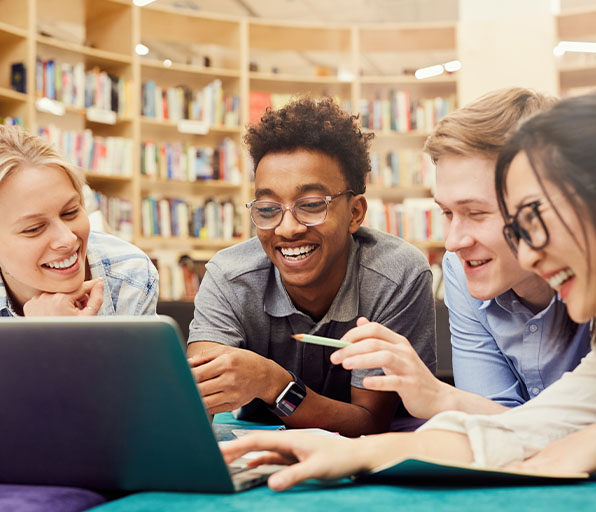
x=577, y=76
x=188, y=26
x=415, y=37
x=263, y=78
x=445, y=79
x=184, y=243
x=190, y=70
x=428, y=244
x=280, y=35
x=189, y=188
x=149, y=121
x=92, y=53
x=396, y=194
x=576, y=24
x=9, y=94
x=107, y=178
x=11, y=31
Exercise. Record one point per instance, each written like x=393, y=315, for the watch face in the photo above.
x=290, y=399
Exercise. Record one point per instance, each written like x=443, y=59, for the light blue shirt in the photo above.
x=130, y=279
x=500, y=349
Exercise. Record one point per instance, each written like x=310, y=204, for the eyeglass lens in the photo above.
x=307, y=210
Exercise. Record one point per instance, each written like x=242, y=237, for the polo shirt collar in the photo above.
x=344, y=307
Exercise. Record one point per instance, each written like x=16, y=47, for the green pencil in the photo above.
x=320, y=340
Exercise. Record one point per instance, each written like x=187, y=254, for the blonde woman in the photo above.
x=50, y=261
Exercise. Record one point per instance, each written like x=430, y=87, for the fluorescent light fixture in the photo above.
x=452, y=66
x=142, y=3
x=141, y=49
x=167, y=63
x=574, y=46
x=428, y=72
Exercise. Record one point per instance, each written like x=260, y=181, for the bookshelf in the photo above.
x=174, y=135
x=577, y=71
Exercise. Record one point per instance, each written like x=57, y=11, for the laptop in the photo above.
x=107, y=403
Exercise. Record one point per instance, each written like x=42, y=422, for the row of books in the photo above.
x=179, y=280
x=75, y=87
x=11, y=121
x=416, y=219
x=400, y=113
x=171, y=217
x=181, y=161
x=102, y=155
x=117, y=212
x=259, y=101
x=209, y=104
x=401, y=169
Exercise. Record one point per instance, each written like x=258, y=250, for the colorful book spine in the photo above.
x=210, y=104
x=186, y=162
x=416, y=219
x=72, y=85
x=172, y=217
x=110, y=156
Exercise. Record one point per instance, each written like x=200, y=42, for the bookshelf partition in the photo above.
x=160, y=135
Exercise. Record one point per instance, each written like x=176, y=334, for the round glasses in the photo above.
x=526, y=225
x=308, y=211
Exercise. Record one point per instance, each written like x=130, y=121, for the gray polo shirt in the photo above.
x=242, y=303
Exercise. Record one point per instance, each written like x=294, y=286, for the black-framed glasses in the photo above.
x=309, y=211
x=526, y=225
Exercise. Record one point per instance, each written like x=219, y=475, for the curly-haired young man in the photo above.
x=312, y=269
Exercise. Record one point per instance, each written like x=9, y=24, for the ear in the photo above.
x=358, y=211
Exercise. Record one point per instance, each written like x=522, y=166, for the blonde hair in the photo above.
x=19, y=149
x=484, y=125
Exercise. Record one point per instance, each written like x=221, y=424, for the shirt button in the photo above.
x=533, y=328
x=535, y=391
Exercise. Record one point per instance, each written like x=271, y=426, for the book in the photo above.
x=424, y=470
x=18, y=77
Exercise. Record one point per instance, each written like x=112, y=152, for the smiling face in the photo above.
x=474, y=228
x=43, y=233
x=562, y=262
x=312, y=260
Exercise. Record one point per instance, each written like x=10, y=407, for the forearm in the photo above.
x=348, y=419
x=455, y=399
x=373, y=451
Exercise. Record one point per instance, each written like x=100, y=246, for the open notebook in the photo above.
x=422, y=470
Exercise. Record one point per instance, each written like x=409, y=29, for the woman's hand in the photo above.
x=86, y=301
x=307, y=456
x=575, y=453
x=376, y=346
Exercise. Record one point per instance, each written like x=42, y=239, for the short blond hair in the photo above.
x=483, y=126
x=19, y=150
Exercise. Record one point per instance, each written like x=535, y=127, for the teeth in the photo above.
x=64, y=263
x=560, y=277
x=297, y=253
x=476, y=263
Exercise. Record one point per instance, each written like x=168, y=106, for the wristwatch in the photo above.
x=290, y=398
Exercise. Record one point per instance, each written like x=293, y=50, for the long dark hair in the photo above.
x=561, y=143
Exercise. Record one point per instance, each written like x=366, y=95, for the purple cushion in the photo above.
x=39, y=498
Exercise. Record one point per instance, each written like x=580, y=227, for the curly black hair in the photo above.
x=315, y=125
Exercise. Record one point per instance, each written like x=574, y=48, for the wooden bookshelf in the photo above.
x=577, y=71
x=192, y=49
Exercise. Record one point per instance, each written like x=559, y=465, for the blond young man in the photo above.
x=506, y=322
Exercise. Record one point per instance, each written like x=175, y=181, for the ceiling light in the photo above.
x=429, y=72
x=574, y=46
x=141, y=49
x=167, y=63
x=142, y=3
